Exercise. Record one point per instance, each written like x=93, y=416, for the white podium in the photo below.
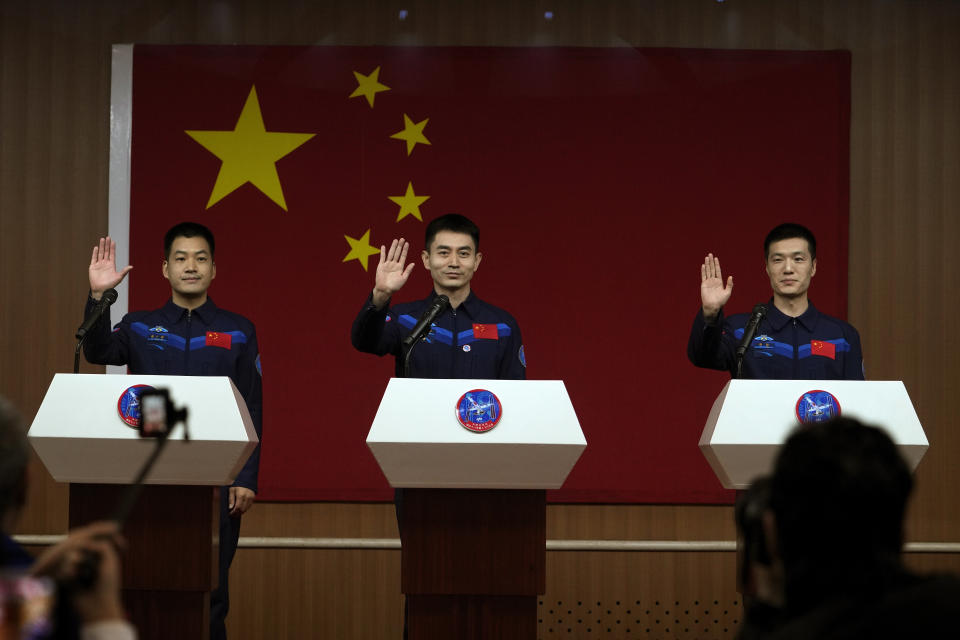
x=418, y=441
x=171, y=563
x=80, y=437
x=473, y=514
x=750, y=419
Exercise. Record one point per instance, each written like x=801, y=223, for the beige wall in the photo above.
x=905, y=194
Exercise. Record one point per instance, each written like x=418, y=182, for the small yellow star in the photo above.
x=412, y=133
x=249, y=153
x=360, y=249
x=368, y=86
x=409, y=203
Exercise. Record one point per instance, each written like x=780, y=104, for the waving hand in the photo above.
x=103, y=268
x=391, y=273
x=713, y=293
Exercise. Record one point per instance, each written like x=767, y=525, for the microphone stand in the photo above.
x=406, y=351
x=759, y=312
x=76, y=356
x=108, y=298
x=405, y=371
x=423, y=326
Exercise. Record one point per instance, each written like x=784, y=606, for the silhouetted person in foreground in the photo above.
x=834, y=534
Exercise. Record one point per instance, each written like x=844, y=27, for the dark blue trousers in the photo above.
x=220, y=598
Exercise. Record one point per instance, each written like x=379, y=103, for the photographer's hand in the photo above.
x=63, y=562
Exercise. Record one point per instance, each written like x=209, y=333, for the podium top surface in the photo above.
x=86, y=406
x=418, y=440
x=765, y=411
x=80, y=435
x=418, y=410
x=751, y=419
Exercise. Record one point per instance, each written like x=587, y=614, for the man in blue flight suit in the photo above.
x=191, y=336
x=794, y=341
x=470, y=339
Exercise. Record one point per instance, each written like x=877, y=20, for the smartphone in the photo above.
x=26, y=607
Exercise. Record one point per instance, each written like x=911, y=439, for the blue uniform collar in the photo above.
x=778, y=319
x=173, y=312
x=471, y=305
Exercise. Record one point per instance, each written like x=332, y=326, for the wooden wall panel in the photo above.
x=905, y=195
x=623, y=595
x=315, y=594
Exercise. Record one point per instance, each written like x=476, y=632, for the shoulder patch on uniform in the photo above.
x=523, y=357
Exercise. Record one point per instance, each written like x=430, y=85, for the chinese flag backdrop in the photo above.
x=599, y=179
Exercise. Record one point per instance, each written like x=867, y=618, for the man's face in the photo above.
x=189, y=267
x=451, y=259
x=790, y=267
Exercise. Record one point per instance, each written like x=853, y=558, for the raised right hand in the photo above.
x=103, y=268
x=713, y=294
x=391, y=274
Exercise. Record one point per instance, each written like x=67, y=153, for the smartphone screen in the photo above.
x=26, y=607
x=153, y=413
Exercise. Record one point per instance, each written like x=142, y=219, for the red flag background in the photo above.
x=599, y=178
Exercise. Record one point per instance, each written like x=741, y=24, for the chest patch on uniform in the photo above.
x=763, y=341
x=485, y=331
x=825, y=349
x=157, y=336
x=217, y=339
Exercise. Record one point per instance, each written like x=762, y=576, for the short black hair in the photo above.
x=187, y=230
x=747, y=514
x=14, y=456
x=451, y=222
x=839, y=493
x=787, y=231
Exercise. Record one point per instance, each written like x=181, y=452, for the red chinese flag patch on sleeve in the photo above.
x=485, y=331
x=826, y=349
x=217, y=339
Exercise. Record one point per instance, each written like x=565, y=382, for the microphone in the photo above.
x=440, y=303
x=108, y=298
x=759, y=311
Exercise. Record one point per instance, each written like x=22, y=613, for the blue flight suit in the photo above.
x=475, y=340
x=178, y=342
x=813, y=346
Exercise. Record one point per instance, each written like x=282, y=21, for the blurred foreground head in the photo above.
x=14, y=456
x=838, y=494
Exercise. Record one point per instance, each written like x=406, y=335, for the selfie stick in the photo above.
x=132, y=492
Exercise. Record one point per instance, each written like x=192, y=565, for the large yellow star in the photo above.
x=368, y=86
x=412, y=133
x=409, y=203
x=249, y=153
x=360, y=249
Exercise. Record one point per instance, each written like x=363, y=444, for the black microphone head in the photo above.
x=442, y=301
x=109, y=296
x=760, y=310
